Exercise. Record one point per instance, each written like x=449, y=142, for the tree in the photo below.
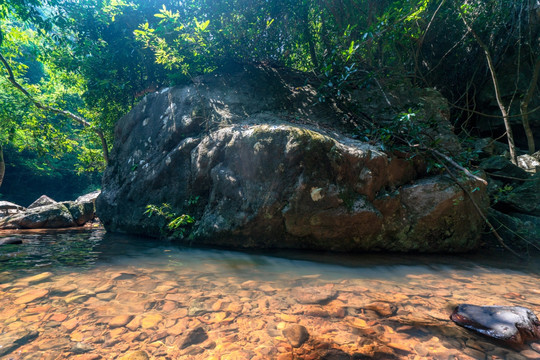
x=496, y=87
x=25, y=100
x=110, y=53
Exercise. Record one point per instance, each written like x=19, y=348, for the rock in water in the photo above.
x=511, y=324
x=135, y=355
x=273, y=167
x=195, y=337
x=296, y=334
x=47, y=216
x=42, y=201
x=314, y=295
x=11, y=341
x=7, y=208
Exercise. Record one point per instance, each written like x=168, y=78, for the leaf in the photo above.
x=202, y=26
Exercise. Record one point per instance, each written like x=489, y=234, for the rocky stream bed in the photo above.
x=159, y=301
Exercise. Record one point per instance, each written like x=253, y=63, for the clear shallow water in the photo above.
x=87, y=294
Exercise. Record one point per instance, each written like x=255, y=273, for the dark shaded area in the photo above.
x=25, y=180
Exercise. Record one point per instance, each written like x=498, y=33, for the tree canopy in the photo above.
x=96, y=59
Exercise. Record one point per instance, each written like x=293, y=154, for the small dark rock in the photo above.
x=81, y=348
x=124, y=276
x=499, y=165
x=525, y=198
x=10, y=240
x=335, y=354
x=11, y=341
x=296, y=334
x=195, y=337
x=487, y=147
x=512, y=325
x=515, y=227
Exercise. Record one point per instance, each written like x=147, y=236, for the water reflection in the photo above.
x=85, y=248
x=52, y=249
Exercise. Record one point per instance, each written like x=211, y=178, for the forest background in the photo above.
x=71, y=68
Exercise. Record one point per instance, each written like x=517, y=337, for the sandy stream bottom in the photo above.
x=168, y=309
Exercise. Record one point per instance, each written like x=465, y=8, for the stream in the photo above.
x=86, y=294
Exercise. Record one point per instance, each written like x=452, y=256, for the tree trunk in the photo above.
x=502, y=107
x=524, y=107
x=2, y=165
x=308, y=36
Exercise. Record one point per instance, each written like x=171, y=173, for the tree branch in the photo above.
x=478, y=210
x=455, y=164
x=68, y=114
x=491, y=66
x=494, y=116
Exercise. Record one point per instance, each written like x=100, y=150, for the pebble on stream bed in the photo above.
x=142, y=313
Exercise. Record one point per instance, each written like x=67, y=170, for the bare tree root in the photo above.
x=508, y=177
x=455, y=164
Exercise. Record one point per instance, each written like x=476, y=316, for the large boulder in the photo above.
x=83, y=209
x=259, y=162
x=81, y=212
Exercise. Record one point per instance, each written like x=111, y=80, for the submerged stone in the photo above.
x=136, y=355
x=512, y=325
x=11, y=341
x=296, y=334
x=314, y=295
x=194, y=337
x=31, y=295
x=45, y=276
x=81, y=348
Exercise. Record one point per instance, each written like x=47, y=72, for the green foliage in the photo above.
x=98, y=58
x=403, y=133
x=177, y=45
x=23, y=125
x=176, y=225
x=502, y=193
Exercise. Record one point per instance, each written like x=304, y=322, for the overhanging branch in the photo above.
x=79, y=119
